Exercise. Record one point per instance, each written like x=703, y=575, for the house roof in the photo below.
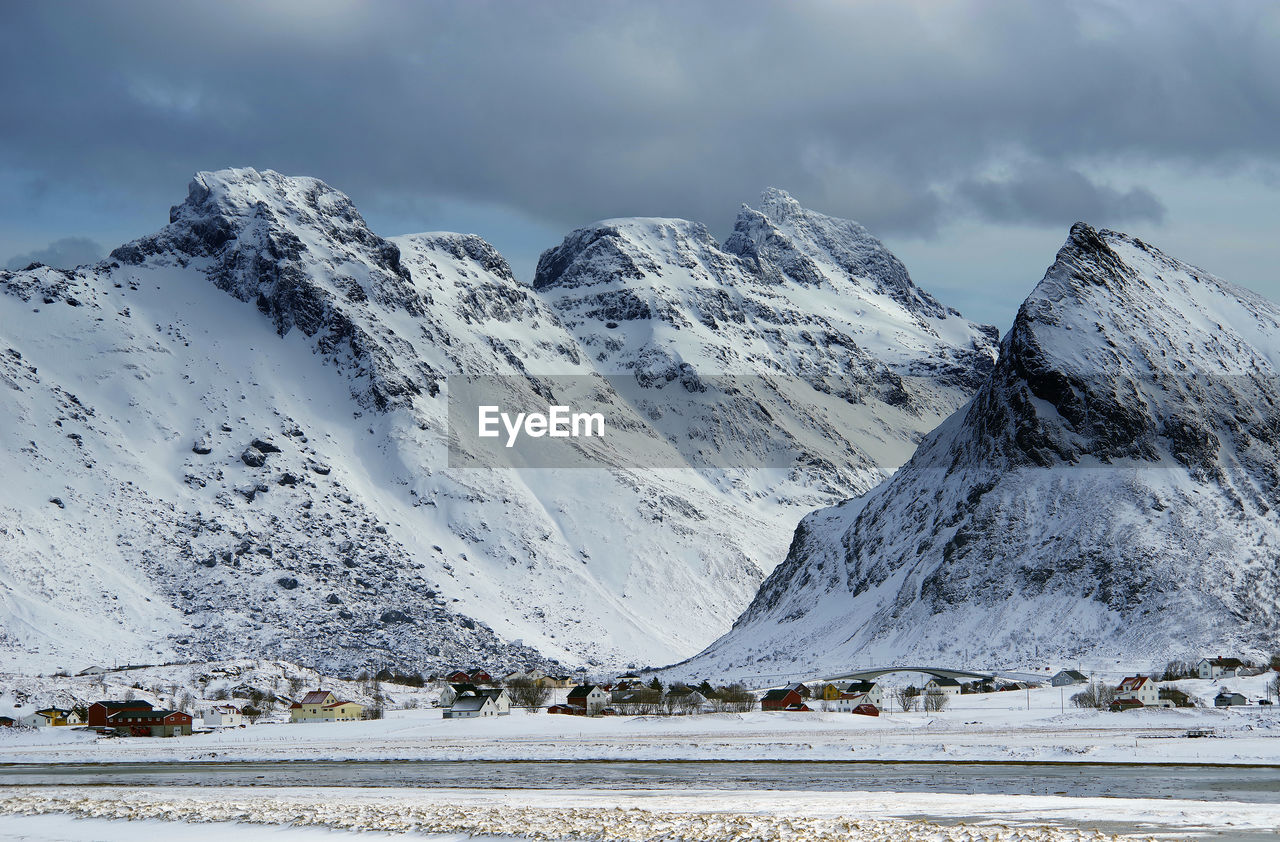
x=341, y=703
x=581, y=691
x=132, y=704
x=315, y=697
x=1228, y=663
x=1133, y=682
x=466, y=703
x=54, y=712
x=145, y=714
x=944, y=682
x=464, y=689
x=777, y=695
x=1078, y=676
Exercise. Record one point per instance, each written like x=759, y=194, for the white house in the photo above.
x=501, y=700
x=589, y=698
x=462, y=702
x=847, y=702
x=874, y=692
x=93, y=670
x=471, y=707
x=452, y=692
x=943, y=685
x=1210, y=668
x=1140, y=688
x=221, y=716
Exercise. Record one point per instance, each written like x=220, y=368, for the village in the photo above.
x=171, y=708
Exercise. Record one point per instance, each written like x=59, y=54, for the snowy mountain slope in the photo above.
x=231, y=439
x=816, y=329
x=265, y=474
x=1111, y=490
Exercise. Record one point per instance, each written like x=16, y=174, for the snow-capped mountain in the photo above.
x=834, y=363
x=1110, y=491
x=231, y=438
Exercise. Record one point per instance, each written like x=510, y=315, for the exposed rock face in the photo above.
x=837, y=353
x=317, y=515
x=262, y=233
x=1111, y=490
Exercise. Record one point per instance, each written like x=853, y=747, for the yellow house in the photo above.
x=323, y=706
x=56, y=717
x=830, y=693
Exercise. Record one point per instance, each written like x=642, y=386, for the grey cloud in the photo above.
x=66, y=253
x=1045, y=195
x=572, y=111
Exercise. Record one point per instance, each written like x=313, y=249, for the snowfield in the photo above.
x=977, y=727
x=640, y=816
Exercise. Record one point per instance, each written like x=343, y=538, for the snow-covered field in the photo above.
x=992, y=726
x=637, y=815
x=1037, y=725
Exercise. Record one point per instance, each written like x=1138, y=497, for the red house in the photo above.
x=866, y=709
x=481, y=677
x=787, y=698
x=152, y=723
x=459, y=677
x=569, y=710
x=99, y=711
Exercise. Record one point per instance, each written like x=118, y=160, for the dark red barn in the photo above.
x=785, y=699
x=99, y=711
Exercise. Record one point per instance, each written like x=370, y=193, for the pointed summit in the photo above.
x=1109, y=491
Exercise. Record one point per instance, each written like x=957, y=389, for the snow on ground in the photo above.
x=992, y=726
x=638, y=815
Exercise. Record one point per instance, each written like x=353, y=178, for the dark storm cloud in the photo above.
x=1045, y=195
x=892, y=113
x=66, y=253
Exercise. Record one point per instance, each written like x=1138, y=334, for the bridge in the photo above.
x=937, y=672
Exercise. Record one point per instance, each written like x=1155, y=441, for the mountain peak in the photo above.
x=1129, y=378
x=778, y=204
x=620, y=249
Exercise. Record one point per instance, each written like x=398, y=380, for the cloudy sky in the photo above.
x=967, y=135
